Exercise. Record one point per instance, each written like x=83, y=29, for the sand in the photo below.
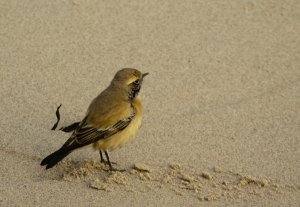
x=222, y=101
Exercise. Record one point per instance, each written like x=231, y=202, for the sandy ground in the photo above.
x=222, y=101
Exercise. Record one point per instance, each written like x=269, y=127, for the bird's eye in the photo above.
x=137, y=81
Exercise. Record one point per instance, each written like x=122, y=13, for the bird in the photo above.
x=112, y=119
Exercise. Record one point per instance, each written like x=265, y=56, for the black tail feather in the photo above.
x=52, y=159
x=70, y=128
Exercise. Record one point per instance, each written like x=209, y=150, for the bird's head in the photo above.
x=129, y=79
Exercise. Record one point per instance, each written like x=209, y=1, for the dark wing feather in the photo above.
x=119, y=126
x=86, y=134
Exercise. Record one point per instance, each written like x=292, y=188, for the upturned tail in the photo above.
x=54, y=158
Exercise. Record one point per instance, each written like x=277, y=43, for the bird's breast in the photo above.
x=127, y=134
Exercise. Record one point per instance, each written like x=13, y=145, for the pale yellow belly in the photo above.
x=122, y=137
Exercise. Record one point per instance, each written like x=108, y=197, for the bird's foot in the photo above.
x=115, y=170
x=107, y=163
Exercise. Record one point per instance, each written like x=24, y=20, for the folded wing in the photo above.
x=86, y=134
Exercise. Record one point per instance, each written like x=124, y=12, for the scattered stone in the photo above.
x=185, y=182
x=145, y=176
x=175, y=166
x=118, y=177
x=148, y=176
x=174, y=177
x=187, y=178
x=255, y=192
x=218, y=170
x=167, y=179
x=211, y=198
x=225, y=183
x=247, y=180
x=264, y=183
x=133, y=171
x=178, y=192
x=236, y=188
x=206, y=175
x=142, y=167
x=96, y=184
x=227, y=187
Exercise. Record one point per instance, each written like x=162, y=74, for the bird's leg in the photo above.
x=109, y=163
x=101, y=157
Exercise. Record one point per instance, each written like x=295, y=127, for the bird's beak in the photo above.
x=145, y=74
